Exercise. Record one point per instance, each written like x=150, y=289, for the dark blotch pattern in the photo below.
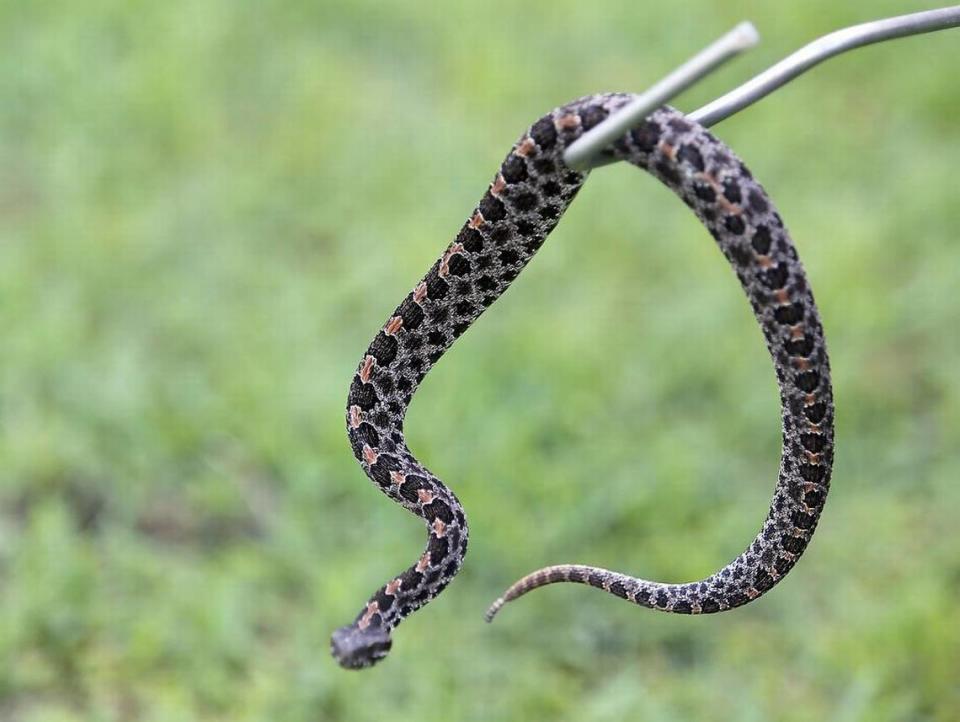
x=412, y=315
x=761, y=240
x=690, y=155
x=544, y=133
x=492, y=208
x=471, y=239
x=775, y=277
x=458, y=265
x=514, y=169
x=789, y=315
x=735, y=225
x=524, y=201
x=646, y=136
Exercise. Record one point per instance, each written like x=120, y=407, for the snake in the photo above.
x=523, y=203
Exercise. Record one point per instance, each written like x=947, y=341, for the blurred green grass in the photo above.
x=206, y=209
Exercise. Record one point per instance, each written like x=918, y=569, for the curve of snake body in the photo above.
x=522, y=205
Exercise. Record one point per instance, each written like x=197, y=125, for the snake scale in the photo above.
x=522, y=205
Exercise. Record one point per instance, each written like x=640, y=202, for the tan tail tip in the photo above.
x=494, y=608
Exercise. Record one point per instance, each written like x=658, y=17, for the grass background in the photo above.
x=208, y=208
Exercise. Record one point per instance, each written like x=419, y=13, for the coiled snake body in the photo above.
x=522, y=205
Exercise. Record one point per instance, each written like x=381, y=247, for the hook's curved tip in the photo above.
x=493, y=609
x=746, y=35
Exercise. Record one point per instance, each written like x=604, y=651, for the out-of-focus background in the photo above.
x=208, y=208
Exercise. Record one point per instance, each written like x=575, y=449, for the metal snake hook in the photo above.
x=582, y=153
x=585, y=152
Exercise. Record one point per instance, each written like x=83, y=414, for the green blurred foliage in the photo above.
x=206, y=210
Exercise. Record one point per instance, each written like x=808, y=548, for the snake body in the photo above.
x=522, y=205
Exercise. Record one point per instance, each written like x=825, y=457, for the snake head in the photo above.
x=356, y=648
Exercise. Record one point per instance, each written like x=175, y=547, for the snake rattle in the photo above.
x=522, y=205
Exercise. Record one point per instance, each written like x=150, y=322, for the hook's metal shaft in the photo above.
x=819, y=50
x=580, y=153
x=585, y=154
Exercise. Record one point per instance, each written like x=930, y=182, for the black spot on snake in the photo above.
x=458, y=265
x=775, y=277
x=646, y=136
x=509, y=256
x=438, y=510
x=545, y=166
x=551, y=189
x=514, y=169
x=492, y=208
x=731, y=190
x=411, y=313
x=761, y=240
x=526, y=227
x=471, y=239
x=814, y=498
x=800, y=347
x=802, y=520
x=384, y=349
x=366, y=434
x=704, y=192
x=789, y=315
x=549, y=211
x=438, y=548
x=439, y=315
x=668, y=172
x=524, y=201
x=411, y=486
x=384, y=384
x=740, y=255
x=592, y=116
x=709, y=606
x=362, y=395
x=384, y=601
x=544, y=133
x=814, y=443
x=690, y=155
x=792, y=544
x=762, y=581
x=808, y=381
x=410, y=580
x=486, y=283
x=380, y=419
x=757, y=203
x=501, y=234
x=436, y=287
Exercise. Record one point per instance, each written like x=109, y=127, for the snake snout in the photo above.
x=356, y=648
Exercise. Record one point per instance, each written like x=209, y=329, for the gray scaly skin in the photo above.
x=523, y=204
